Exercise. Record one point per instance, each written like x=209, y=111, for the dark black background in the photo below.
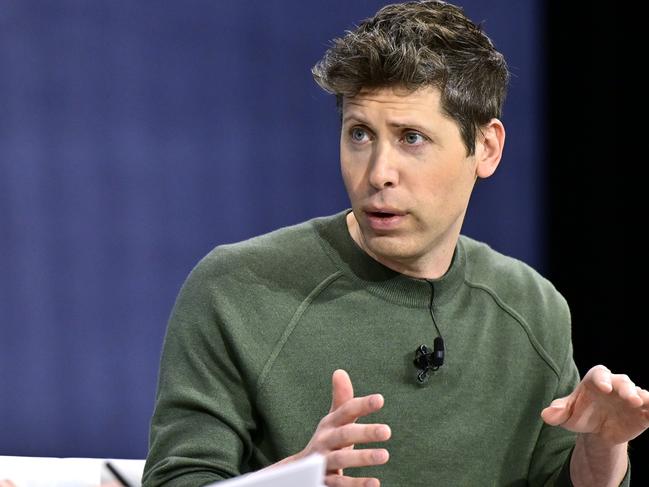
x=596, y=213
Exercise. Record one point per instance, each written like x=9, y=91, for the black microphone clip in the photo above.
x=427, y=360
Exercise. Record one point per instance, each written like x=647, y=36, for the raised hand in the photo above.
x=608, y=405
x=338, y=432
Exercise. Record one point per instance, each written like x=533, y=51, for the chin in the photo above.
x=390, y=248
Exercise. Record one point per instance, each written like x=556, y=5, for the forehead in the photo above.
x=398, y=107
x=396, y=101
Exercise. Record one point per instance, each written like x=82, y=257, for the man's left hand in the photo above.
x=607, y=405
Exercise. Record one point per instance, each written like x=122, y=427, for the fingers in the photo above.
x=601, y=378
x=338, y=432
x=341, y=389
x=620, y=384
x=355, y=433
x=341, y=459
x=342, y=481
x=644, y=395
x=355, y=408
x=606, y=382
x=626, y=389
x=6, y=483
x=558, y=412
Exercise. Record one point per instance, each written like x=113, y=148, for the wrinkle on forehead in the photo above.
x=401, y=107
x=425, y=100
x=396, y=95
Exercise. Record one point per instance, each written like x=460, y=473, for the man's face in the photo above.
x=408, y=177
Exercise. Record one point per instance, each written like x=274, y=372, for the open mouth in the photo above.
x=381, y=214
x=384, y=220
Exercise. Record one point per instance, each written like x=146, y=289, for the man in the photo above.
x=260, y=326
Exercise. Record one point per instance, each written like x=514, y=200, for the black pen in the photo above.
x=120, y=478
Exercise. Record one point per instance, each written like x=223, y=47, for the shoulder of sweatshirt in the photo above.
x=290, y=256
x=522, y=291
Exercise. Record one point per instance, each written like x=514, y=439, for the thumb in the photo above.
x=341, y=389
x=558, y=412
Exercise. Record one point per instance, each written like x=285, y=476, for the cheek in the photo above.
x=350, y=171
x=438, y=192
x=465, y=183
x=344, y=171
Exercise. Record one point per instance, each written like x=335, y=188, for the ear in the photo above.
x=489, y=148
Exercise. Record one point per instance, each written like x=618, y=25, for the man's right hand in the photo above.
x=338, y=432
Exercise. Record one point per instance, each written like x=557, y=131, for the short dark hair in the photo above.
x=420, y=44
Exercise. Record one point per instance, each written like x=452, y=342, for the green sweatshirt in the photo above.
x=259, y=327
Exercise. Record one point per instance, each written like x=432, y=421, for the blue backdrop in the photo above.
x=135, y=136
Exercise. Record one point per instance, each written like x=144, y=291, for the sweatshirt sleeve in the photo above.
x=554, y=444
x=203, y=419
x=550, y=466
x=564, y=476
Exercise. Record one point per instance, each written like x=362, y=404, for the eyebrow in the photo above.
x=354, y=119
x=398, y=125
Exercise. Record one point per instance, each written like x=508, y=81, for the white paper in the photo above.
x=65, y=472
x=308, y=472
x=131, y=470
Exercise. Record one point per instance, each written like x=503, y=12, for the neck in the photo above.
x=432, y=264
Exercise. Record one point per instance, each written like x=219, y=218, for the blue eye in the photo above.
x=358, y=134
x=413, y=138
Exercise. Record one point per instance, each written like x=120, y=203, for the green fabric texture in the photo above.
x=259, y=327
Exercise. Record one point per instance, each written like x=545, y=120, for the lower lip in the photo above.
x=384, y=223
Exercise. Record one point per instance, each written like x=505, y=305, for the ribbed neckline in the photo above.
x=381, y=280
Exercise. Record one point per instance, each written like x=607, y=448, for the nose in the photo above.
x=382, y=171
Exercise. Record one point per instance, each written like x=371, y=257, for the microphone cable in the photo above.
x=425, y=359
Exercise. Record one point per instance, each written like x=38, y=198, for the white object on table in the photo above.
x=67, y=472
x=308, y=472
